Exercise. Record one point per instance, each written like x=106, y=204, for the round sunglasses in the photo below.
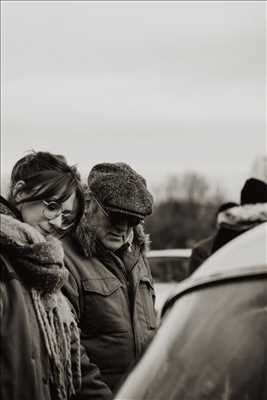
x=53, y=209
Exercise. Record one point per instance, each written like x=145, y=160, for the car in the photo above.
x=212, y=343
x=168, y=266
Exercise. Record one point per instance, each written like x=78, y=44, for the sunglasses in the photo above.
x=117, y=218
x=53, y=209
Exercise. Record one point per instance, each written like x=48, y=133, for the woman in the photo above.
x=39, y=338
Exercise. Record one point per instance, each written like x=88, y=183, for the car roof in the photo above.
x=243, y=256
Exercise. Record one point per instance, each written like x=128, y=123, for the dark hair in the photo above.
x=45, y=175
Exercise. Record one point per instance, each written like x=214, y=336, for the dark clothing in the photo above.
x=24, y=360
x=237, y=220
x=114, y=296
x=223, y=236
x=200, y=252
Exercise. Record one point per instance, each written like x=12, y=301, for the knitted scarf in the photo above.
x=39, y=264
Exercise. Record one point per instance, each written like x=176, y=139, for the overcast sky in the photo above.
x=164, y=86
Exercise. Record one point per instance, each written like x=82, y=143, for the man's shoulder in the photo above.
x=75, y=260
x=84, y=267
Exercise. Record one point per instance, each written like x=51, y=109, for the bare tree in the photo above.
x=195, y=187
x=172, y=188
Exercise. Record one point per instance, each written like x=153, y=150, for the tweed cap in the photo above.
x=254, y=191
x=118, y=188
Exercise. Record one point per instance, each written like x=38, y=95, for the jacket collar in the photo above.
x=86, y=238
x=122, y=255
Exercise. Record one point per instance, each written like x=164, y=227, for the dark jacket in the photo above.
x=114, y=296
x=24, y=362
x=237, y=220
x=200, y=252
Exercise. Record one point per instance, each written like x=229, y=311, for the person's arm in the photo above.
x=93, y=386
x=196, y=259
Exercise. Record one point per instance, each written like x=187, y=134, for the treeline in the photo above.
x=184, y=212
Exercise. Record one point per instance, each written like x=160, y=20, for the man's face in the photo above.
x=112, y=233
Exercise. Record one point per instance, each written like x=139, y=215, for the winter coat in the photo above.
x=25, y=367
x=200, y=252
x=237, y=220
x=114, y=295
x=24, y=361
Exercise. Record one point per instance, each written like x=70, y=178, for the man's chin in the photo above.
x=113, y=243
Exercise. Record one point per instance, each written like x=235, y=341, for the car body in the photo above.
x=212, y=343
x=168, y=266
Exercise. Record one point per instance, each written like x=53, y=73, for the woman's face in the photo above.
x=39, y=215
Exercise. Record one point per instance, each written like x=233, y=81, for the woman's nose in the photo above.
x=57, y=222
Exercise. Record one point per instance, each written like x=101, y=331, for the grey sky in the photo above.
x=164, y=86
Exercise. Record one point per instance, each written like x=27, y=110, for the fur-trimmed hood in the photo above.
x=243, y=217
x=86, y=237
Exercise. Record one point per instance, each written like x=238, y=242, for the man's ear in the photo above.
x=17, y=191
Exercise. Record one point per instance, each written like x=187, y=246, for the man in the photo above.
x=110, y=279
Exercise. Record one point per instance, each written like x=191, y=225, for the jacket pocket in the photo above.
x=104, y=287
x=104, y=306
x=147, y=292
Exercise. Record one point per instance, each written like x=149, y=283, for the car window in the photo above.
x=166, y=269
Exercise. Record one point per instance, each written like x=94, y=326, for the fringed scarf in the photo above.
x=39, y=263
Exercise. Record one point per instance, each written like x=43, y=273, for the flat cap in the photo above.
x=118, y=188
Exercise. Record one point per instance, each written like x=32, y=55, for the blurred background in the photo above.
x=174, y=88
